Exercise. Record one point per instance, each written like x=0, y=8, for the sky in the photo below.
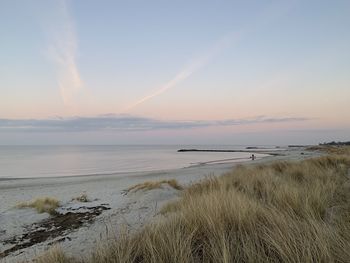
x=174, y=72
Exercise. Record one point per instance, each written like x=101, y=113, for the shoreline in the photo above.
x=133, y=210
x=273, y=153
x=139, y=173
x=95, y=161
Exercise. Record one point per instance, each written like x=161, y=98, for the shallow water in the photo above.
x=52, y=161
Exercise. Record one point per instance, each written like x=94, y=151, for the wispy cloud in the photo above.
x=63, y=51
x=188, y=70
x=272, y=13
x=112, y=122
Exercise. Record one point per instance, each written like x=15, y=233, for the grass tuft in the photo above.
x=42, y=205
x=54, y=255
x=150, y=185
x=81, y=198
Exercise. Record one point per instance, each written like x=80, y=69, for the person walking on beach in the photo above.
x=253, y=157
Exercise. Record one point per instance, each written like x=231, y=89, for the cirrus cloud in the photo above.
x=62, y=50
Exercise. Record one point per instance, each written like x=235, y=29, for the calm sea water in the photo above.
x=52, y=161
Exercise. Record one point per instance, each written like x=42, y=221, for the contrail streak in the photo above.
x=266, y=17
x=63, y=52
x=187, y=71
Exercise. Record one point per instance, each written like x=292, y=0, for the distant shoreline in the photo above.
x=237, y=151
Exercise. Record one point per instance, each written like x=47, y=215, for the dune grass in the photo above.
x=278, y=212
x=42, y=205
x=54, y=255
x=150, y=185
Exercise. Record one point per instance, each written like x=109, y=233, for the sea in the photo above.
x=58, y=161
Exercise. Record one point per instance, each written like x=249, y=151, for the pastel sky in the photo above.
x=174, y=72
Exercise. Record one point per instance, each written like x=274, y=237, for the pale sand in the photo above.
x=131, y=210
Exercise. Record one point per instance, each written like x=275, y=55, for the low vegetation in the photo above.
x=334, y=143
x=338, y=150
x=54, y=255
x=154, y=185
x=81, y=198
x=42, y=205
x=278, y=212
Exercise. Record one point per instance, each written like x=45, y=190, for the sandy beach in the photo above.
x=24, y=233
